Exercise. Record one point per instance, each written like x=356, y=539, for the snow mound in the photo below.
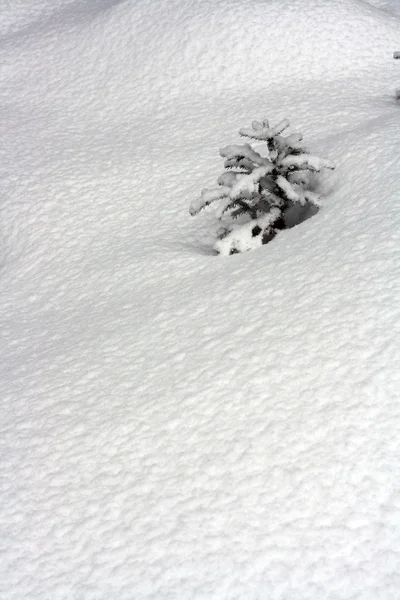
x=173, y=47
x=174, y=425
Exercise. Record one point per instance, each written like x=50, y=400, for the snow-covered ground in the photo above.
x=175, y=424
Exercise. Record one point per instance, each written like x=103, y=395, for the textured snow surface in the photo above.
x=174, y=424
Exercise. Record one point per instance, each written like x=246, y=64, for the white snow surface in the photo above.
x=175, y=424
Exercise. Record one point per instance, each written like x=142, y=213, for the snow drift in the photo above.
x=175, y=425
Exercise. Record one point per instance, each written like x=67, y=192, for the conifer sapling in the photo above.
x=259, y=187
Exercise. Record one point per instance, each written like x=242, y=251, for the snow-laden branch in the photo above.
x=287, y=188
x=262, y=131
x=306, y=161
x=248, y=184
x=208, y=195
x=235, y=152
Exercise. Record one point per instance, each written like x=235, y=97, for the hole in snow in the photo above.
x=297, y=214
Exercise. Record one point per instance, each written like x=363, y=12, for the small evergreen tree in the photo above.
x=258, y=189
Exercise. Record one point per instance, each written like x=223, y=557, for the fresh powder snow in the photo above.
x=174, y=424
